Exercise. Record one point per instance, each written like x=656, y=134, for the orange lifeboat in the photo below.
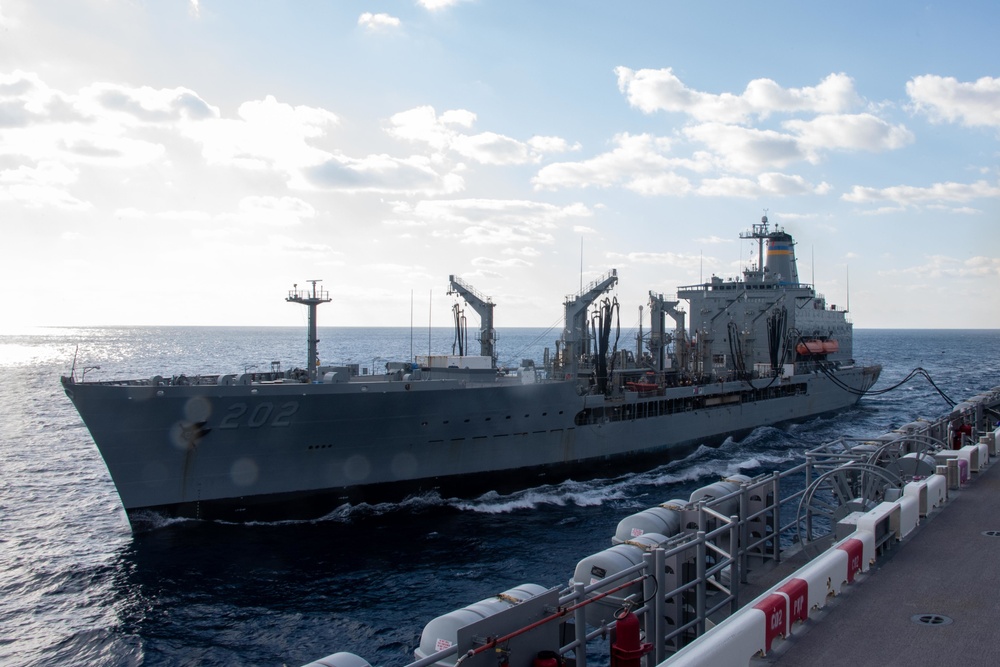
x=814, y=346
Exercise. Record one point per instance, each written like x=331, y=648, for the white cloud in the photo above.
x=548, y=145
x=380, y=173
x=144, y=104
x=379, y=21
x=507, y=210
x=974, y=103
x=750, y=150
x=638, y=162
x=492, y=221
x=44, y=185
x=661, y=90
x=33, y=195
x=435, y=5
x=770, y=184
x=494, y=263
x=909, y=195
x=661, y=259
x=941, y=266
x=283, y=211
x=267, y=133
x=850, y=132
x=45, y=173
x=94, y=127
x=492, y=148
x=294, y=246
x=186, y=215
x=445, y=133
x=526, y=251
x=734, y=146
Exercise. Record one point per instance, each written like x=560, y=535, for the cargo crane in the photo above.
x=659, y=337
x=483, y=306
x=575, y=339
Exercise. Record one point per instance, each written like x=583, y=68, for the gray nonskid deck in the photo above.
x=945, y=572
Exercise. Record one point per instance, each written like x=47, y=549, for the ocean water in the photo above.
x=77, y=587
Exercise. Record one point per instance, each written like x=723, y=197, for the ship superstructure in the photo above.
x=758, y=350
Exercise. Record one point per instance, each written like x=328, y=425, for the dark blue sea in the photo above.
x=78, y=588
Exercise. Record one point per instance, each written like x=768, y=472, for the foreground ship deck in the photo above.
x=933, y=601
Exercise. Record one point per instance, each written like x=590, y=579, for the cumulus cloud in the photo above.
x=495, y=263
x=493, y=221
x=769, y=184
x=281, y=211
x=448, y=133
x=145, y=104
x=435, y=5
x=746, y=161
x=34, y=195
x=379, y=21
x=859, y=132
x=267, y=133
x=550, y=145
x=113, y=125
x=909, y=195
x=38, y=123
x=381, y=173
x=975, y=103
x=660, y=259
x=651, y=90
x=638, y=162
x=747, y=149
x=942, y=266
x=526, y=251
x=43, y=185
x=492, y=148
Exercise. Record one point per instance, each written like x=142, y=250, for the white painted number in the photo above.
x=259, y=416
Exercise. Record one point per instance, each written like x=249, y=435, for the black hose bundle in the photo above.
x=601, y=325
x=736, y=352
x=777, y=323
x=461, y=332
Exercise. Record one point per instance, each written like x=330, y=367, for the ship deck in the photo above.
x=944, y=572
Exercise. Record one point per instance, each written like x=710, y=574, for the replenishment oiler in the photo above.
x=758, y=350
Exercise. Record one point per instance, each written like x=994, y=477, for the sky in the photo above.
x=189, y=162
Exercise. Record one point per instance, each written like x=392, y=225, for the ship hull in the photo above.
x=291, y=451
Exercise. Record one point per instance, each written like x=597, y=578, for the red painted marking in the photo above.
x=855, y=552
x=775, y=618
x=797, y=591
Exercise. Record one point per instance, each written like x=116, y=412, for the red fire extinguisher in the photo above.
x=627, y=649
x=546, y=659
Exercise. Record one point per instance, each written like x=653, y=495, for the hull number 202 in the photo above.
x=261, y=414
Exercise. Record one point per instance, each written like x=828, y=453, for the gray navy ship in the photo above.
x=758, y=350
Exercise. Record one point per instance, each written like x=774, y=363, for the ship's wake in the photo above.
x=761, y=451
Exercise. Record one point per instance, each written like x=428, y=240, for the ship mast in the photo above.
x=311, y=299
